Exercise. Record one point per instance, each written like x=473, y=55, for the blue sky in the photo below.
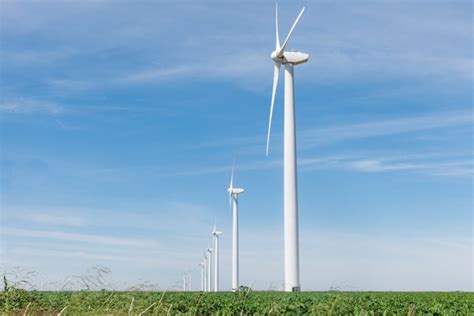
x=120, y=122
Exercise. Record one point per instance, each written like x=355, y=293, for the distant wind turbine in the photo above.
x=184, y=282
x=216, y=235
x=233, y=199
x=203, y=267
x=290, y=199
x=206, y=276
x=209, y=263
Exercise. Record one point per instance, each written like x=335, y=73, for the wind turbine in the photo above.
x=184, y=282
x=216, y=234
x=190, y=285
x=290, y=197
x=206, y=276
x=203, y=267
x=233, y=199
x=209, y=262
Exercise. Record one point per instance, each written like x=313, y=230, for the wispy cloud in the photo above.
x=142, y=217
x=157, y=74
x=372, y=165
x=246, y=166
x=73, y=254
x=72, y=84
x=383, y=127
x=28, y=106
x=223, y=66
x=349, y=64
x=67, y=126
x=425, y=164
x=55, y=220
x=78, y=237
x=32, y=57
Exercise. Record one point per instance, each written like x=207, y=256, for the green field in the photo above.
x=21, y=302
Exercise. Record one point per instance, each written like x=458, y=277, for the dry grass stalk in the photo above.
x=26, y=309
x=146, y=309
x=169, y=309
x=161, y=299
x=62, y=311
x=131, y=306
x=271, y=308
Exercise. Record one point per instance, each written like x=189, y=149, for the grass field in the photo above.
x=21, y=302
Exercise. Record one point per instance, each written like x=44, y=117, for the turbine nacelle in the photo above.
x=235, y=190
x=215, y=232
x=294, y=58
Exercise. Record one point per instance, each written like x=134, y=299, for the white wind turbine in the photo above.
x=216, y=235
x=290, y=199
x=233, y=196
x=203, y=267
x=206, y=276
x=184, y=282
x=190, y=283
x=209, y=263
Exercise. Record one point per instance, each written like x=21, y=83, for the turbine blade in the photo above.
x=276, y=28
x=232, y=177
x=276, y=73
x=282, y=48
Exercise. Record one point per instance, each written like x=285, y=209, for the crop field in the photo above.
x=21, y=302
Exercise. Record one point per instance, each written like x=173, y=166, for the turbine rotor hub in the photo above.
x=275, y=57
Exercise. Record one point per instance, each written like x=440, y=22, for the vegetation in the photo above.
x=22, y=302
x=148, y=299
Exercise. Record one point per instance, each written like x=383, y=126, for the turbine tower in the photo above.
x=233, y=199
x=216, y=235
x=184, y=282
x=206, y=276
x=209, y=262
x=203, y=267
x=290, y=197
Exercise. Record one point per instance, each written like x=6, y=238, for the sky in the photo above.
x=120, y=121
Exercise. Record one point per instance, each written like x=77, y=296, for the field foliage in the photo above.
x=22, y=302
x=82, y=295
